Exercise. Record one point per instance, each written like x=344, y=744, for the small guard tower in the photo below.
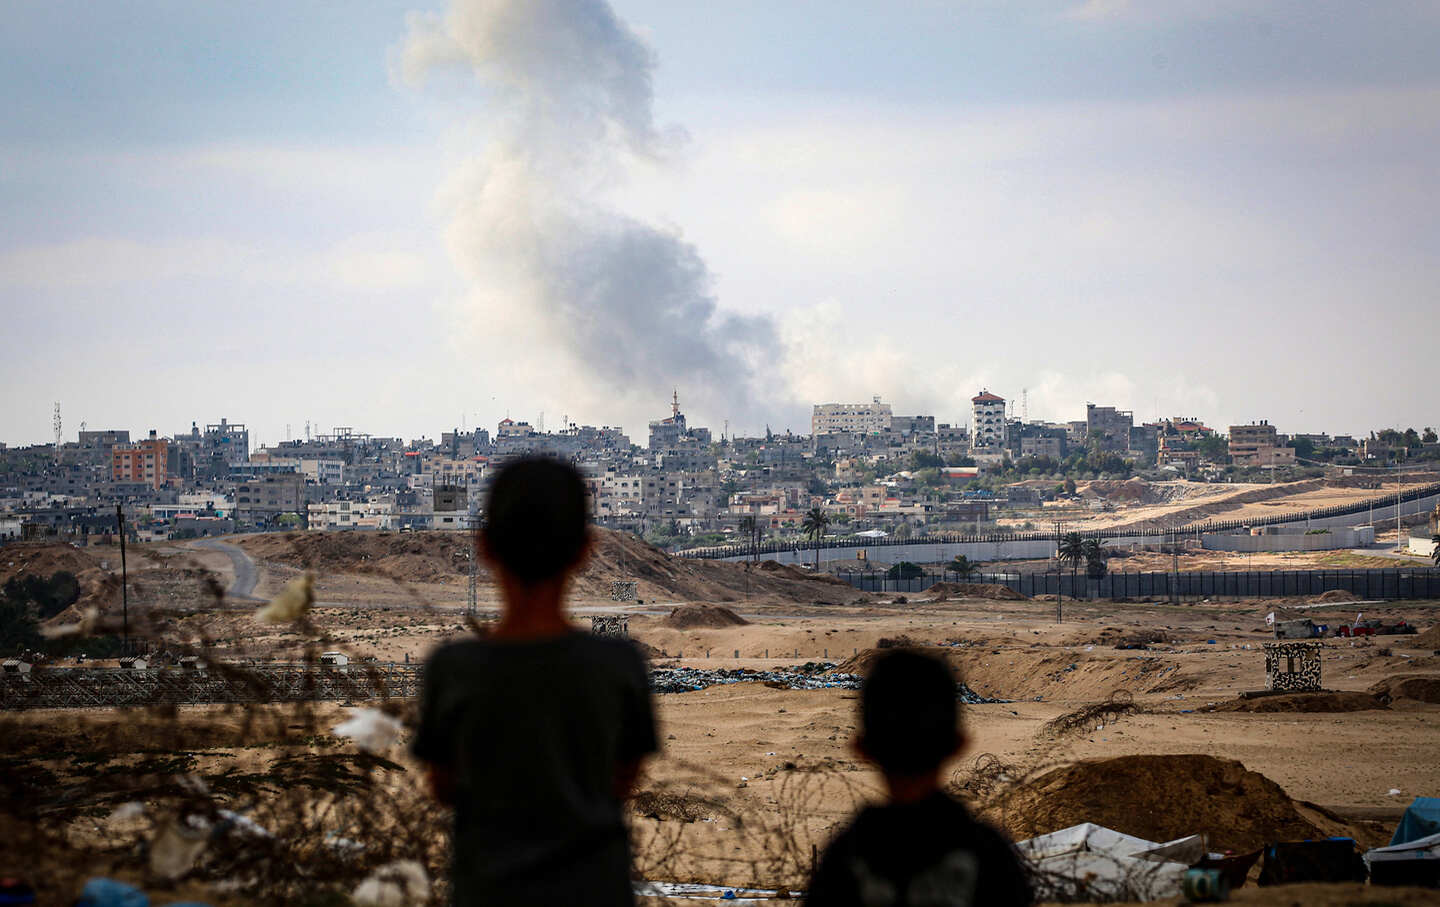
x=617, y=625
x=1292, y=667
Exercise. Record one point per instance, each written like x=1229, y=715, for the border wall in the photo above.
x=1365, y=585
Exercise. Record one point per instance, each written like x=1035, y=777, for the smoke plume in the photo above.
x=614, y=307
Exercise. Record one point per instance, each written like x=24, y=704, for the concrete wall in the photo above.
x=1422, y=546
x=1294, y=539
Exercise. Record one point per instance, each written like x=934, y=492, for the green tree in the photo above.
x=905, y=570
x=751, y=529
x=1072, y=551
x=1069, y=485
x=922, y=459
x=1304, y=448
x=1213, y=448
x=1429, y=437
x=1095, y=565
x=47, y=597
x=964, y=567
x=814, y=525
x=18, y=628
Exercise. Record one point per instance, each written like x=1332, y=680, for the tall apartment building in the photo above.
x=987, y=433
x=862, y=418
x=1108, y=426
x=144, y=461
x=1258, y=444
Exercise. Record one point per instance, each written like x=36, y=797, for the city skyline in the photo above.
x=294, y=212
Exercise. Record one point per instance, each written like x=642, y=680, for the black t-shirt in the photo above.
x=926, y=854
x=533, y=731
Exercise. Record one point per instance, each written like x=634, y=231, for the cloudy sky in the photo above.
x=398, y=217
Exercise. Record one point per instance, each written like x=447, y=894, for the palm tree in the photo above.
x=1094, y=558
x=814, y=524
x=1071, y=551
x=752, y=532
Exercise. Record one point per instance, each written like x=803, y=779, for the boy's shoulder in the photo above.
x=573, y=647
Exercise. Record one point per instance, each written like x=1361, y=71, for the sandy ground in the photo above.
x=754, y=777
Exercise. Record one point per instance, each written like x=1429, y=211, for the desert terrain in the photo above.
x=752, y=775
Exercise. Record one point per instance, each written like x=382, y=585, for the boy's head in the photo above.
x=910, y=722
x=535, y=520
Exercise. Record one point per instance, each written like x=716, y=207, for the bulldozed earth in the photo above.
x=1124, y=714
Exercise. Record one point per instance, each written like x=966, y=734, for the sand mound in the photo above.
x=1128, y=491
x=1430, y=639
x=443, y=557
x=693, y=617
x=413, y=557
x=1334, y=595
x=98, y=588
x=1159, y=798
x=1421, y=687
x=1304, y=702
x=944, y=591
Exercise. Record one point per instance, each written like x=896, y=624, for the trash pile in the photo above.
x=688, y=680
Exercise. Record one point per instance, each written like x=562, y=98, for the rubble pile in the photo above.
x=688, y=680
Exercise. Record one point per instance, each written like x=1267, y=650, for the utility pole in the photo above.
x=124, y=587
x=1059, y=590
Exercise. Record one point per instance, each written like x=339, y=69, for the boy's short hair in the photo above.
x=535, y=518
x=908, y=712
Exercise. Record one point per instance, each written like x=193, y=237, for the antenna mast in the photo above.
x=57, y=432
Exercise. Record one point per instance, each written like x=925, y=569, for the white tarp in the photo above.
x=1429, y=844
x=1091, y=862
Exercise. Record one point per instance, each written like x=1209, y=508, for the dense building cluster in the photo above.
x=862, y=466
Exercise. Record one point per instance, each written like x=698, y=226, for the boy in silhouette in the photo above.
x=535, y=734
x=922, y=847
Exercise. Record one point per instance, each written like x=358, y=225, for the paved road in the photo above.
x=246, y=574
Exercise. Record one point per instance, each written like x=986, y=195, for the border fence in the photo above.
x=1365, y=585
x=62, y=688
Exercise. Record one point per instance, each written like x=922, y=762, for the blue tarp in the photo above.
x=1421, y=820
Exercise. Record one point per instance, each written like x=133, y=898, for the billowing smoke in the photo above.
x=621, y=307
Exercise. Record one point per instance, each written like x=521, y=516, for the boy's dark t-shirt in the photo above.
x=533, y=732
x=926, y=854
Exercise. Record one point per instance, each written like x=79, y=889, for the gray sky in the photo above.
x=396, y=217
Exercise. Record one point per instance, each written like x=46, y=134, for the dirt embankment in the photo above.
x=443, y=557
x=417, y=557
x=1159, y=798
x=1305, y=702
x=693, y=617
x=945, y=591
x=1012, y=672
x=1216, y=510
x=1419, y=687
x=98, y=588
x=1430, y=639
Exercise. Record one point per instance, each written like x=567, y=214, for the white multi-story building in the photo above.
x=323, y=470
x=987, y=433
x=350, y=515
x=863, y=418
